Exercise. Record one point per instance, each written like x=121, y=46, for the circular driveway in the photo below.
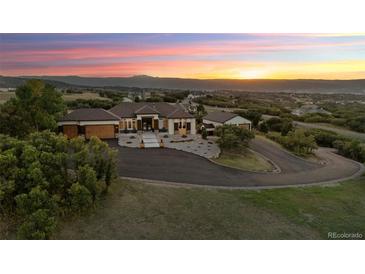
x=181, y=167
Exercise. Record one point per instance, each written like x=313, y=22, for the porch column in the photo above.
x=171, y=126
x=192, y=126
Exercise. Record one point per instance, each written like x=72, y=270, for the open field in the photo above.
x=84, y=95
x=141, y=211
x=246, y=160
x=342, y=131
x=6, y=95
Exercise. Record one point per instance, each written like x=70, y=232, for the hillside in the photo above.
x=261, y=85
x=12, y=82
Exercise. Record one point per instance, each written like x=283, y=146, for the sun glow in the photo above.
x=253, y=74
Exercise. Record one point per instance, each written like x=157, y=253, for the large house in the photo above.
x=219, y=118
x=128, y=117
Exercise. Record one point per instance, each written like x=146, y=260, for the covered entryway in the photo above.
x=147, y=123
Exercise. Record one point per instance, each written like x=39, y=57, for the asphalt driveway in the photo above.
x=182, y=167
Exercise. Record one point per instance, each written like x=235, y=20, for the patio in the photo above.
x=191, y=143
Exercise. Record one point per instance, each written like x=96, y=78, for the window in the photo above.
x=176, y=126
x=129, y=124
x=188, y=126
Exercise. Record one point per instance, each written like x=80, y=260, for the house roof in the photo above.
x=222, y=117
x=90, y=114
x=208, y=125
x=130, y=110
x=146, y=109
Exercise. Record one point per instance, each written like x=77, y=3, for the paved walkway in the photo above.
x=193, y=144
x=150, y=140
x=182, y=167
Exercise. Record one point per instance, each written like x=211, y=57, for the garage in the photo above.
x=90, y=122
x=70, y=131
x=101, y=131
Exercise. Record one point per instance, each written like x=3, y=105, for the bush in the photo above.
x=263, y=127
x=317, y=118
x=357, y=123
x=296, y=141
x=232, y=137
x=352, y=149
x=38, y=226
x=40, y=173
x=204, y=133
x=324, y=138
x=79, y=198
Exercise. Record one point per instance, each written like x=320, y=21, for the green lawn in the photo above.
x=246, y=160
x=141, y=211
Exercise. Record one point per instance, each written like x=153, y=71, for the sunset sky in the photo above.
x=243, y=56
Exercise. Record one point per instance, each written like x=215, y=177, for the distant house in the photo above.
x=219, y=118
x=128, y=117
x=309, y=109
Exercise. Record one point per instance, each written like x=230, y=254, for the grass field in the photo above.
x=84, y=95
x=339, y=130
x=141, y=211
x=246, y=160
x=6, y=95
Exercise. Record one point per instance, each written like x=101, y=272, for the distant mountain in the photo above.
x=263, y=85
x=13, y=82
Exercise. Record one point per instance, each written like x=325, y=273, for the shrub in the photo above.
x=324, y=138
x=38, y=226
x=38, y=173
x=296, y=141
x=231, y=137
x=204, y=133
x=79, y=198
x=352, y=149
x=263, y=127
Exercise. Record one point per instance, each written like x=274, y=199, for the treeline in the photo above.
x=169, y=97
x=261, y=106
x=348, y=147
x=44, y=176
x=349, y=115
x=90, y=103
x=304, y=141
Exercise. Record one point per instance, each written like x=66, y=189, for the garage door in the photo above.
x=101, y=131
x=70, y=131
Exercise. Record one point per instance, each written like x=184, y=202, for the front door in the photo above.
x=146, y=123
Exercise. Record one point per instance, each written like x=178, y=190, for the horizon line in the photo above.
x=186, y=78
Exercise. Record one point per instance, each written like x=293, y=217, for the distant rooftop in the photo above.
x=221, y=117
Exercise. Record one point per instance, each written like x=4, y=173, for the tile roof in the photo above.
x=90, y=114
x=129, y=110
x=222, y=117
x=146, y=109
